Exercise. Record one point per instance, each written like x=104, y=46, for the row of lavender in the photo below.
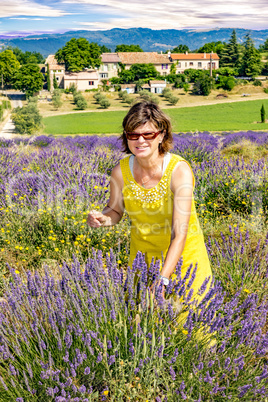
x=94, y=334
x=89, y=334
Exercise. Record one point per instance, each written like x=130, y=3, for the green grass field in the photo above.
x=221, y=117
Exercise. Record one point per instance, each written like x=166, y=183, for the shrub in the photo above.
x=186, y=87
x=81, y=103
x=27, y=119
x=166, y=92
x=121, y=94
x=148, y=96
x=105, y=103
x=72, y=89
x=257, y=83
x=265, y=90
x=56, y=99
x=98, y=96
x=173, y=99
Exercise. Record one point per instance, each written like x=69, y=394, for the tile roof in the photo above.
x=128, y=85
x=143, y=57
x=53, y=63
x=81, y=75
x=193, y=56
x=110, y=58
x=157, y=82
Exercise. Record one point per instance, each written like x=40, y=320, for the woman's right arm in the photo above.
x=114, y=210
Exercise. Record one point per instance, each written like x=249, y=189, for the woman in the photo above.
x=156, y=190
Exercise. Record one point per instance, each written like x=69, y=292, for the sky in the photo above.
x=46, y=16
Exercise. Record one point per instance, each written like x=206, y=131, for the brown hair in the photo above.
x=143, y=112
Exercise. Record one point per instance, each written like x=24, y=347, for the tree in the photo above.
x=55, y=82
x=251, y=61
x=27, y=119
x=143, y=71
x=48, y=79
x=29, y=79
x=126, y=76
x=56, y=98
x=180, y=49
x=173, y=68
x=9, y=66
x=215, y=47
x=27, y=57
x=128, y=48
x=202, y=86
x=264, y=47
x=262, y=114
x=230, y=56
x=79, y=54
x=105, y=49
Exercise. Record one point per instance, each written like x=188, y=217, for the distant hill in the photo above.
x=148, y=39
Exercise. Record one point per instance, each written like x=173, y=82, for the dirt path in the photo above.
x=8, y=130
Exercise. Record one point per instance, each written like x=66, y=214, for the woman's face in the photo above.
x=142, y=147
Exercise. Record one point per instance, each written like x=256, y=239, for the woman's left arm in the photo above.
x=182, y=188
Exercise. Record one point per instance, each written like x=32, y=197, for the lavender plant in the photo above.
x=94, y=334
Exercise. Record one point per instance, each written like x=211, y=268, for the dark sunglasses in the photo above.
x=147, y=136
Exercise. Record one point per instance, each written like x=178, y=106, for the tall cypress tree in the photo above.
x=251, y=61
x=262, y=114
x=55, y=82
x=48, y=79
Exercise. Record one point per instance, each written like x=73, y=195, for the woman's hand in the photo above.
x=96, y=219
x=153, y=287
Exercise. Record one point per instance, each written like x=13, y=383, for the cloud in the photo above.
x=159, y=14
x=11, y=8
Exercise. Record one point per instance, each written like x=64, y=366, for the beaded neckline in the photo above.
x=152, y=188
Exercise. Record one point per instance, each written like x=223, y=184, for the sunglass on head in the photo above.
x=147, y=136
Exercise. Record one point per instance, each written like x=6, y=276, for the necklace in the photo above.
x=150, y=178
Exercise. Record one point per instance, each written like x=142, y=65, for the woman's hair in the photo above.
x=143, y=112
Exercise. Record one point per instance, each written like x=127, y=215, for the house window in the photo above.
x=90, y=82
x=57, y=78
x=179, y=64
x=186, y=64
x=114, y=66
x=191, y=63
x=105, y=67
x=199, y=64
x=162, y=66
x=104, y=75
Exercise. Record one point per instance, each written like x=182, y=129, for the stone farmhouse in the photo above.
x=91, y=78
x=198, y=61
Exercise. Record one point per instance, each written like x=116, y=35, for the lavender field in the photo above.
x=73, y=327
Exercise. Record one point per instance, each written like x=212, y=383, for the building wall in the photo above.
x=81, y=84
x=108, y=70
x=195, y=64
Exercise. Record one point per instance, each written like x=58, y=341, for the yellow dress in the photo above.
x=150, y=212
